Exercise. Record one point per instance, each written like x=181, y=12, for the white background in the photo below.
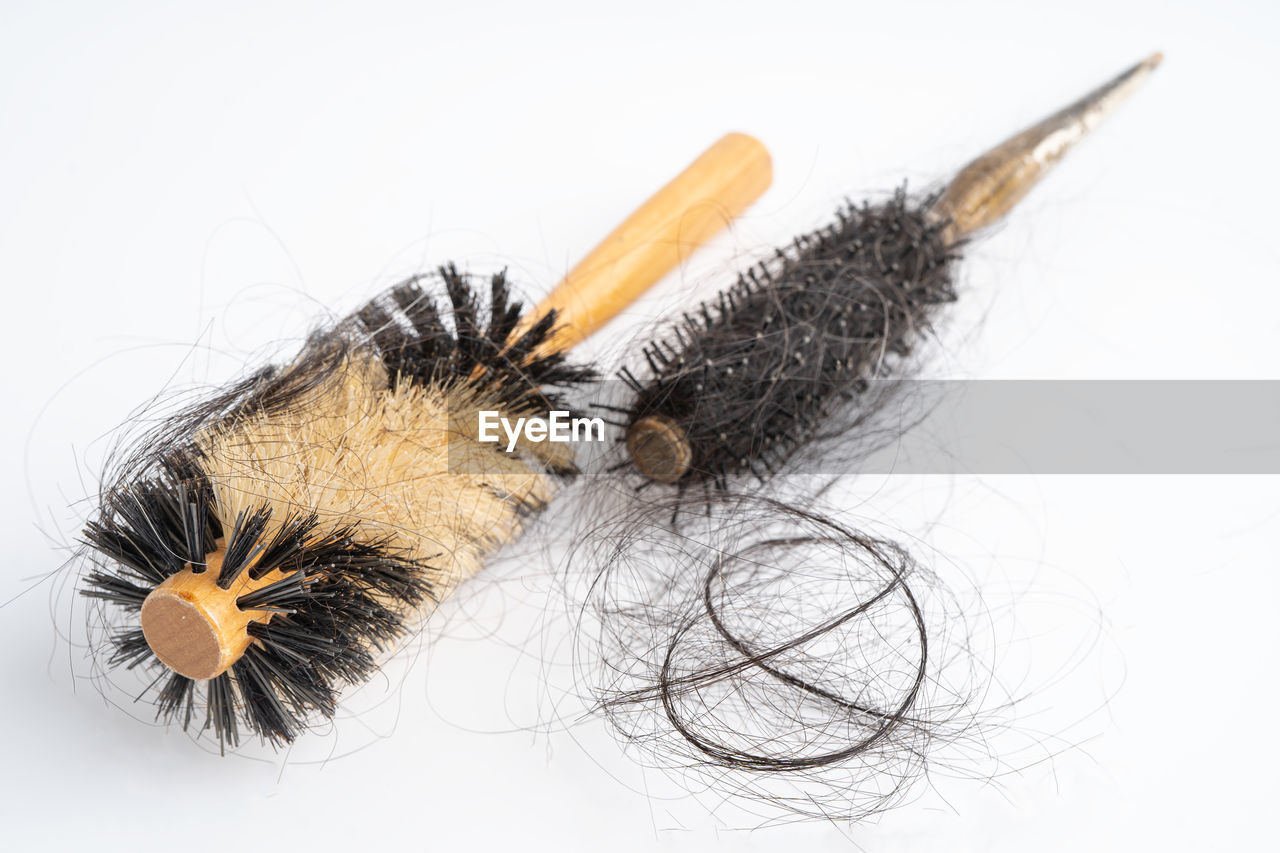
x=219, y=175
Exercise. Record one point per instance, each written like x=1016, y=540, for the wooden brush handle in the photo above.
x=691, y=209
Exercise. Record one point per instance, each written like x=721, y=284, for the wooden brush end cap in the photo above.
x=193, y=625
x=659, y=448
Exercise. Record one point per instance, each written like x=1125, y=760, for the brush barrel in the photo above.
x=194, y=626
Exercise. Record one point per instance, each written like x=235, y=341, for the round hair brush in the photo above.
x=264, y=546
x=752, y=376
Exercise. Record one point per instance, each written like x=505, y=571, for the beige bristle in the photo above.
x=401, y=464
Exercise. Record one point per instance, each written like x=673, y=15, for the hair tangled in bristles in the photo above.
x=340, y=601
x=754, y=374
x=281, y=471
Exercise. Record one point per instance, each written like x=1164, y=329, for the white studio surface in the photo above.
x=175, y=175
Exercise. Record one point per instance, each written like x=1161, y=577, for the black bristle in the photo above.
x=282, y=552
x=145, y=529
x=265, y=703
x=405, y=327
x=281, y=596
x=176, y=697
x=757, y=373
x=244, y=544
x=115, y=589
x=131, y=648
x=221, y=711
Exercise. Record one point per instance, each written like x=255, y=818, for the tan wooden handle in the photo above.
x=691, y=209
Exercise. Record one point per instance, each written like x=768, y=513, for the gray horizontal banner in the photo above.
x=1078, y=427
x=1128, y=427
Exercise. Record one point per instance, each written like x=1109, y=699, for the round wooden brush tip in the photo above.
x=659, y=448
x=194, y=626
x=182, y=635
